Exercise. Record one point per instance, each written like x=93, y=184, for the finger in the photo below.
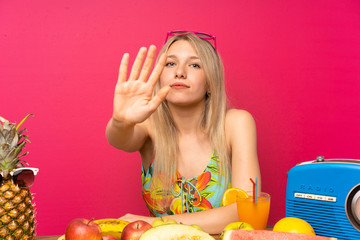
x=159, y=97
x=149, y=60
x=155, y=75
x=135, y=70
x=123, y=68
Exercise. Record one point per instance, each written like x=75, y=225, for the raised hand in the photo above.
x=133, y=101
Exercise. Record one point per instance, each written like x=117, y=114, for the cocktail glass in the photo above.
x=255, y=214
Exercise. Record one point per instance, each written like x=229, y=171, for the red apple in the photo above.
x=133, y=230
x=109, y=237
x=83, y=229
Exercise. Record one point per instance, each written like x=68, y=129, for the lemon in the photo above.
x=231, y=194
x=293, y=225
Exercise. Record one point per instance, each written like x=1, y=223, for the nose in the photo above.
x=180, y=72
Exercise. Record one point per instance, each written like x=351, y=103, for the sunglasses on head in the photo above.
x=201, y=35
x=23, y=177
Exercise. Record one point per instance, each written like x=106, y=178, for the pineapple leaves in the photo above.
x=16, y=151
x=15, y=138
x=22, y=121
x=3, y=119
x=12, y=142
x=21, y=164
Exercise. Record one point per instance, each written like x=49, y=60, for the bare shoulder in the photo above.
x=238, y=118
x=239, y=126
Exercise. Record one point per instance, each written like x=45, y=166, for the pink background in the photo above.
x=295, y=65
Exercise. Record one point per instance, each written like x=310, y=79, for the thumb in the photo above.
x=159, y=97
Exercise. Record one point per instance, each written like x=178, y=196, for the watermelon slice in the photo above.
x=269, y=235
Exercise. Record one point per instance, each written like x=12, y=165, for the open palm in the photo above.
x=133, y=101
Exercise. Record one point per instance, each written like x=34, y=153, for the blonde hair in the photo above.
x=212, y=120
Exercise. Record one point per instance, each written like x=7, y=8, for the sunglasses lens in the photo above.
x=204, y=35
x=177, y=33
x=24, y=178
x=198, y=34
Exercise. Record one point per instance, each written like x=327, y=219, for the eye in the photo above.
x=170, y=64
x=195, y=65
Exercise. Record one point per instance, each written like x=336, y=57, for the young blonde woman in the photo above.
x=192, y=147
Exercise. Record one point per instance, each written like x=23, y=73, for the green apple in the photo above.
x=162, y=221
x=197, y=227
x=238, y=226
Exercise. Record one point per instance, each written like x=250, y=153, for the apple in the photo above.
x=134, y=230
x=83, y=229
x=238, y=226
x=196, y=226
x=162, y=221
x=109, y=237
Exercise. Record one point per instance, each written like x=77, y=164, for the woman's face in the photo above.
x=185, y=74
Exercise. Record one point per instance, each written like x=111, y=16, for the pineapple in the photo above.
x=17, y=217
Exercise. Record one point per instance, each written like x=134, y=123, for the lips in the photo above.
x=179, y=85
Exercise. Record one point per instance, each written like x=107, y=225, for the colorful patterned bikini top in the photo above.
x=187, y=195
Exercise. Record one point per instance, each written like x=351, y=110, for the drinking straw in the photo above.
x=254, y=188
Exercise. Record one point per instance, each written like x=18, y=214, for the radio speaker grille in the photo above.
x=326, y=219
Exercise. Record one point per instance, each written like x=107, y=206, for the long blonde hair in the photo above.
x=212, y=120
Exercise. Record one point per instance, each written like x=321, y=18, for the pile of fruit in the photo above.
x=115, y=229
x=288, y=228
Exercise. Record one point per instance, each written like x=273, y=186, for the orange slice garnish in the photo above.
x=231, y=194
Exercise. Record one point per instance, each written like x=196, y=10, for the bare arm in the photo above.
x=241, y=130
x=212, y=221
x=133, y=101
x=241, y=135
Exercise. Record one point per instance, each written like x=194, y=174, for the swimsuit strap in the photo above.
x=189, y=197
